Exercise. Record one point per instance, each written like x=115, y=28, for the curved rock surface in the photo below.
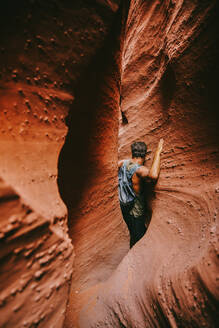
x=33, y=254
x=168, y=77
x=81, y=80
x=45, y=47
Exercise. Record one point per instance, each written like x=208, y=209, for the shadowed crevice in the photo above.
x=76, y=165
x=168, y=88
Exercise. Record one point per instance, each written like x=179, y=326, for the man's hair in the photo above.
x=139, y=149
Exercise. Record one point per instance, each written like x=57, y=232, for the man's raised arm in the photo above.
x=155, y=168
x=153, y=173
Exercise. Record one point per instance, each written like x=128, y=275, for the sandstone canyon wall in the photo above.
x=46, y=46
x=168, y=77
x=80, y=80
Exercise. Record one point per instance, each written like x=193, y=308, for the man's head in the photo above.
x=139, y=149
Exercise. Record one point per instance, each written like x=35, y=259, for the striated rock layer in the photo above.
x=80, y=80
x=33, y=254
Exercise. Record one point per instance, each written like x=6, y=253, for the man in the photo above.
x=132, y=178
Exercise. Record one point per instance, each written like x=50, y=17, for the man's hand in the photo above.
x=155, y=168
x=160, y=145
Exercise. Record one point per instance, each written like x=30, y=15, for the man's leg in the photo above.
x=138, y=229
x=126, y=216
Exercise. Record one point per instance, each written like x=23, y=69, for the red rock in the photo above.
x=154, y=64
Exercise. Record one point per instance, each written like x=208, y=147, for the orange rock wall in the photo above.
x=79, y=81
x=169, y=72
x=45, y=47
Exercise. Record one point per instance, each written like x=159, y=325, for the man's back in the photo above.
x=127, y=169
x=137, y=178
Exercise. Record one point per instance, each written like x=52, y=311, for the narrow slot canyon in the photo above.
x=80, y=81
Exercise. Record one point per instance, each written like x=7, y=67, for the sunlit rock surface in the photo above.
x=80, y=80
x=33, y=254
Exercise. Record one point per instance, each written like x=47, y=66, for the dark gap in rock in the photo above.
x=82, y=119
x=168, y=88
x=124, y=118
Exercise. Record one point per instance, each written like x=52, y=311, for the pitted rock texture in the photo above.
x=45, y=47
x=33, y=254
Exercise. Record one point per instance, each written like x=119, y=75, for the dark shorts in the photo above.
x=136, y=225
